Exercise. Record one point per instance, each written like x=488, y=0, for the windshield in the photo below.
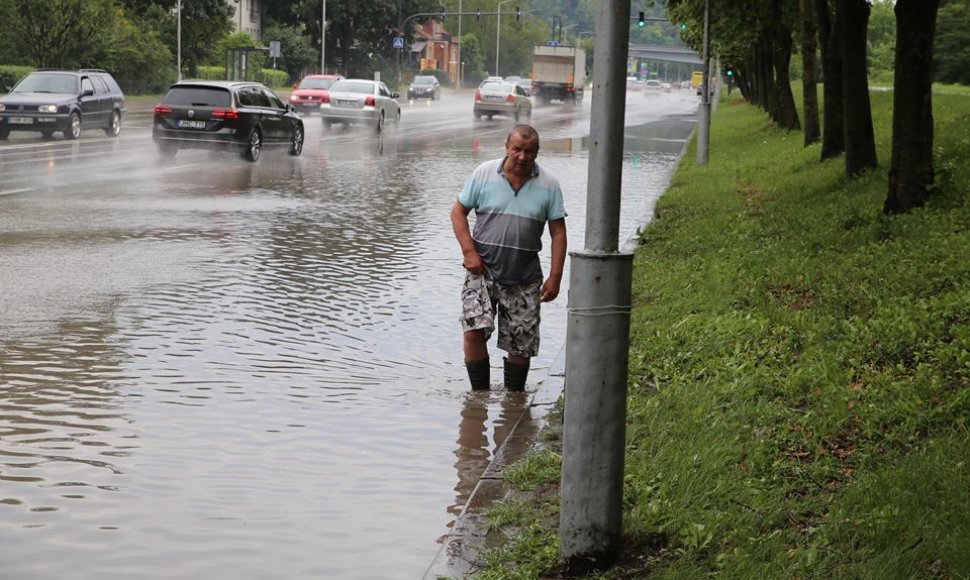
x=310, y=83
x=423, y=80
x=47, y=83
x=496, y=87
x=362, y=87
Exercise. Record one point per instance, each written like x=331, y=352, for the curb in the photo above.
x=460, y=549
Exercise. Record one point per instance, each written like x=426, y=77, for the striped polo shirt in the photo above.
x=509, y=224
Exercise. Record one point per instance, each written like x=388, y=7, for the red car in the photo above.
x=307, y=96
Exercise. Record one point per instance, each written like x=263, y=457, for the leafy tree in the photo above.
x=471, y=55
x=296, y=50
x=952, y=53
x=58, y=33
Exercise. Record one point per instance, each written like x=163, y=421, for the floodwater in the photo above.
x=215, y=369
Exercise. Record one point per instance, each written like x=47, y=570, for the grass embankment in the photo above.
x=800, y=371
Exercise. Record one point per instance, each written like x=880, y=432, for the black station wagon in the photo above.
x=52, y=100
x=234, y=115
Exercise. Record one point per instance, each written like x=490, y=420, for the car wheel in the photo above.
x=73, y=130
x=397, y=121
x=296, y=140
x=254, y=146
x=4, y=133
x=114, y=125
x=380, y=122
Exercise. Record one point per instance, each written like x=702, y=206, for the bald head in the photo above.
x=525, y=132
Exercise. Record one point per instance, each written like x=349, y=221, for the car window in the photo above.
x=274, y=101
x=86, y=85
x=424, y=80
x=99, y=86
x=384, y=91
x=112, y=85
x=492, y=86
x=189, y=96
x=362, y=87
x=320, y=84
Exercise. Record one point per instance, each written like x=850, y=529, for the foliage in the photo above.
x=799, y=363
x=471, y=55
x=59, y=33
x=296, y=51
x=10, y=74
x=442, y=76
x=952, y=50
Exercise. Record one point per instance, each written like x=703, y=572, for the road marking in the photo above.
x=13, y=191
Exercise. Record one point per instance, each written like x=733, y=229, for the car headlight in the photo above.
x=294, y=98
x=2, y=107
x=47, y=108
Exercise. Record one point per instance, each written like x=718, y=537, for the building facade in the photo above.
x=248, y=17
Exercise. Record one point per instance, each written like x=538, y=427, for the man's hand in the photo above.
x=549, y=290
x=473, y=262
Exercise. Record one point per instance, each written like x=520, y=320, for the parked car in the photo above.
x=526, y=86
x=424, y=87
x=502, y=98
x=308, y=94
x=51, y=100
x=353, y=101
x=653, y=85
x=233, y=115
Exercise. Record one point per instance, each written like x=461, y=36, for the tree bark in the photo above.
x=860, y=141
x=911, y=171
x=830, y=41
x=809, y=49
x=782, y=46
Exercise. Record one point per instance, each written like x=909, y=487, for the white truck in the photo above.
x=558, y=73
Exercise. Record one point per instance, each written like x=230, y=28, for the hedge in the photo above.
x=267, y=76
x=10, y=74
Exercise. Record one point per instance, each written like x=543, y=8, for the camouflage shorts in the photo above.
x=517, y=307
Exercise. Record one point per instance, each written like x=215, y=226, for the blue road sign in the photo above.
x=398, y=42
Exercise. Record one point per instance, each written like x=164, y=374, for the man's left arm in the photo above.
x=550, y=288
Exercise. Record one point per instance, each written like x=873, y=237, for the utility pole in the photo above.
x=598, y=324
x=323, y=39
x=178, y=41
x=459, y=46
x=704, y=127
x=498, y=30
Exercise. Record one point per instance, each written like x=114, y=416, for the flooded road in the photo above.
x=217, y=369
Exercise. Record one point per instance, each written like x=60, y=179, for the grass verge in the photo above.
x=799, y=371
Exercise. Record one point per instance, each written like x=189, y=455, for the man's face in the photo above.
x=522, y=153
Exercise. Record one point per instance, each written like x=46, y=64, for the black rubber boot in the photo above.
x=515, y=376
x=479, y=374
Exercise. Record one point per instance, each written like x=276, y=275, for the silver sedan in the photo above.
x=502, y=98
x=362, y=101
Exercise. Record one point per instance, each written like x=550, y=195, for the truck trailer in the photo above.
x=558, y=73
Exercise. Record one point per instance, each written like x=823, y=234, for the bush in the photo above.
x=10, y=74
x=273, y=78
x=212, y=73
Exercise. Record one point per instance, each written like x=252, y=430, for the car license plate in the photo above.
x=346, y=102
x=21, y=120
x=496, y=99
x=189, y=124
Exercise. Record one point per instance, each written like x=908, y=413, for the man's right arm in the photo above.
x=471, y=259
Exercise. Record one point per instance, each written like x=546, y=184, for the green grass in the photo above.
x=800, y=369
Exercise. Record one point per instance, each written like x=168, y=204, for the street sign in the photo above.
x=398, y=42
x=274, y=49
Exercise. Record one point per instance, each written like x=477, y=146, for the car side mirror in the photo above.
x=87, y=93
x=395, y=95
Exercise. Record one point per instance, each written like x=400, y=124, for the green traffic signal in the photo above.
x=683, y=26
x=642, y=21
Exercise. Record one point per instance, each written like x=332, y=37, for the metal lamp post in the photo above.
x=498, y=31
x=323, y=39
x=178, y=42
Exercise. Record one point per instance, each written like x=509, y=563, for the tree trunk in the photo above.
x=809, y=48
x=911, y=171
x=860, y=141
x=830, y=41
x=781, y=59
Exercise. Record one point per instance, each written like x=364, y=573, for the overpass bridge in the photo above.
x=665, y=53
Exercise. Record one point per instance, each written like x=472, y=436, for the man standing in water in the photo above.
x=513, y=198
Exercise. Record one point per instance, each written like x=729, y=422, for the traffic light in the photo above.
x=683, y=26
x=642, y=21
x=729, y=71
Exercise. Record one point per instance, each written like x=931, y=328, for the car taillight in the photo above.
x=162, y=110
x=478, y=95
x=510, y=98
x=227, y=114
x=369, y=101
x=325, y=98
